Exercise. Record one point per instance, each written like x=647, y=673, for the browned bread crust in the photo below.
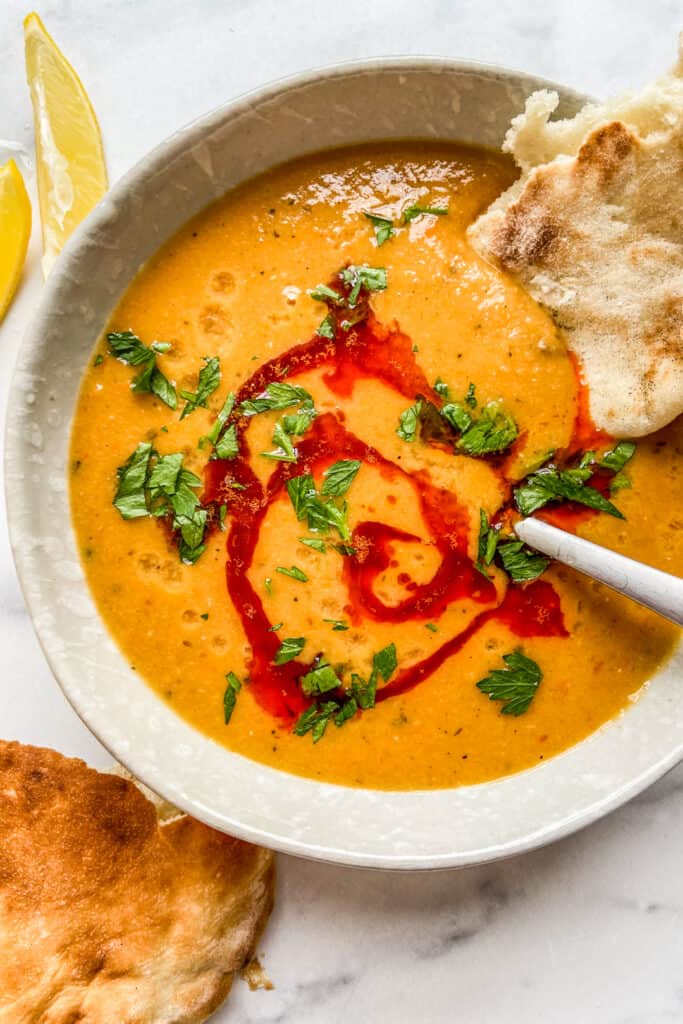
x=593, y=230
x=106, y=915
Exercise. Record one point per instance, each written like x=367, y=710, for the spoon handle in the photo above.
x=653, y=588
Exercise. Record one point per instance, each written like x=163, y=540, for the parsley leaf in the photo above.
x=315, y=719
x=385, y=662
x=207, y=381
x=372, y=279
x=441, y=388
x=289, y=649
x=128, y=348
x=364, y=691
x=285, y=450
x=383, y=227
x=323, y=293
x=320, y=515
x=411, y=212
x=300, y=490
x=337, y=625
x=295, y=573
x=408, y=422
x=313, y=542
x=220, y=421
x=520, y=562
x=494, y=431
x=551, y=484
x=616, y=459
x=339, y=477
x=319, y=680
x=326, y=328
x=230, y=696
x=131, y=498
x=488, y=542
x=277, y=395
x=298, y=423
x=516, y=683
x=227, y=446
x=457, y=416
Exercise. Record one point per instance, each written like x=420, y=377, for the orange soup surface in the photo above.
x=297, y=459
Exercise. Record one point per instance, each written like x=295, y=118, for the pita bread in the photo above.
x=106, y=915
x=593, y=230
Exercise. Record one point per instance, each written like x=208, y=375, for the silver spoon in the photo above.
x=653, y=588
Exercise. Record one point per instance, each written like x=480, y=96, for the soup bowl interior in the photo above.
x=387, y=99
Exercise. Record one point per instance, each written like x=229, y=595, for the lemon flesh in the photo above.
x=72, y=176
x=15, y=231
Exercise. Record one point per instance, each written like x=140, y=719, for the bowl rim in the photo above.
x=15, y=500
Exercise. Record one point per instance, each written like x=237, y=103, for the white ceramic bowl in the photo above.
x=351, y=103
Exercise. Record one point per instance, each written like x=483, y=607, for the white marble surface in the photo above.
x=589, y=930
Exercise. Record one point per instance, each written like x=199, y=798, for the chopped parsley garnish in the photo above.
x=408, y=422
x=322, y=679
x=520, y=562
x=289, y=649
x=493, y=432
x=227, y=445
x=221, y=419
x=441, y=388
x=268, y=584
x=326, y=328
x=319, y=680
x=516, y=684
x=372, y=279
x=298, y=423
x=411, y=212
x=208, y=379
x=339, y=477
x=278, y=395
x=552, y=484
x=616, y=459
x=98, y=360
x=338, y=626
x=383, y=227
x=128, y=348
x=323, y=293
x=315, y=718
x=159, y=485
x=284, y=450
x=230, y=696
x=130, y=498
x=385, y=662
x=432, y=627
x=313, y=542
x=276, y=628
x=222, y=513
x=457, y=416
x=295, y=573
x=321, y=512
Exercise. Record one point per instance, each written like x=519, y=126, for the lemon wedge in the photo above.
x=72, y=176
x=15, y=231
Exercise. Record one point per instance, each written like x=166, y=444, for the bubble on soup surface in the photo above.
x=214, y=320
x=223, y=281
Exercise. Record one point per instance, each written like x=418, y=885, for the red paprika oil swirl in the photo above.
x=368, y=349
